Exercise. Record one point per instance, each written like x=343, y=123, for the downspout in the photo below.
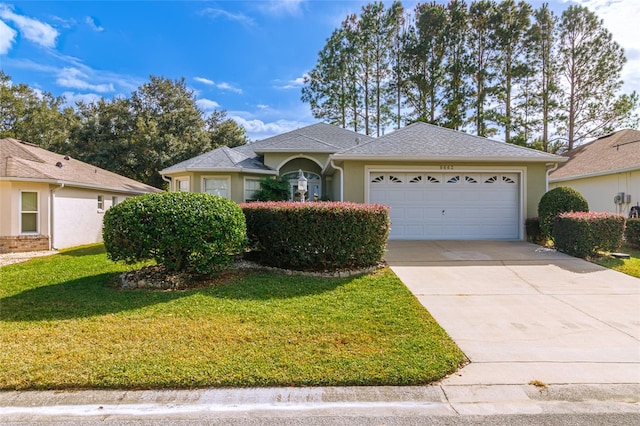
x=168, y=180
x=552, y=169
x=52, y=215
x=341, y=179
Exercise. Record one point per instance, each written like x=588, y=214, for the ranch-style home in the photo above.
x=606, y=171
x=51, y=201
x=439, y=183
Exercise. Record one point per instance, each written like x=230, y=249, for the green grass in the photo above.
x=627, y=266
x=63, y=326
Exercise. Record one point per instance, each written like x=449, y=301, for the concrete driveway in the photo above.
x=521, y=312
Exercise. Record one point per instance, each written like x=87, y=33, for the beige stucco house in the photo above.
x=439, y=183
x=606, y=171
x=52, y=201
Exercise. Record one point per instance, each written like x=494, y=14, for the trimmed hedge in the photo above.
x=320, y=236
x=584, y=234
x=534, y=232
x=632, y=232
x=559, y=200
x=183, y=231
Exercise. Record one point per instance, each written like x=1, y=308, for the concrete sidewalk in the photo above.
x=523, y=313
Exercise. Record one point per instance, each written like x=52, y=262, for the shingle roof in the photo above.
x=422, y=141
x=223, y=158
x=21, y=160
x=319, y=137
x=610, y=153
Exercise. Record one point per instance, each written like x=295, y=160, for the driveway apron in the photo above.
x=523, y=313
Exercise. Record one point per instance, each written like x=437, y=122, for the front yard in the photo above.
x=63, y=325
x=627, y=266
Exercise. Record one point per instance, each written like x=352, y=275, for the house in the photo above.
x=51, y=201
x=439, y=183
x=606, y=171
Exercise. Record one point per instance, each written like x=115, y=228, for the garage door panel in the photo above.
x=476, y=205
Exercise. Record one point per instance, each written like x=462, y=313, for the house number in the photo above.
x=446, y=167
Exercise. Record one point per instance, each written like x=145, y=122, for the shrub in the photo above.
x=559, y=200
x=632, y=232
x=180, y=230
x=584, y=234
x=534, y=233
x=274, y=190
x=317, y=236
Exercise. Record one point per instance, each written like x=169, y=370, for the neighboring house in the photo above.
x=606, y=171
x=439, y=183
x=51, y=201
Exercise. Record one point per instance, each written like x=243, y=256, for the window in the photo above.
x=29, y=212
x=100, y=202
x=182, y=185
x=216, y=186
x=251, y=186
x=114, y=201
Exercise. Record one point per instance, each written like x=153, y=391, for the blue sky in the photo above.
x=247, y=57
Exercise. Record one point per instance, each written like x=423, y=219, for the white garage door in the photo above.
x=449, y=206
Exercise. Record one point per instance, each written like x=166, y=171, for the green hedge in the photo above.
x=632, y=233
x=534, y=232
x=559, y=200
x=584, y=234
x=321, y=236
x=180, y=230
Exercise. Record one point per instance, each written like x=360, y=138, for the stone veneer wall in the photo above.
x=24, y=243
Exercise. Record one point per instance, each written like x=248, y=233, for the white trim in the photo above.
x=37, y=212
x=178, y=180
x=227, y=178
x=168, y=172
x=452, y=159
x=77, y=185
x=596, y=174
x=521, y=171
x=296, y=157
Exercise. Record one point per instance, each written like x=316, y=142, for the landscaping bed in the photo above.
x=64, y=325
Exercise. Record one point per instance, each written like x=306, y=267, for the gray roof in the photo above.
x=220, y=159
x=24, y=161
x=422, y=141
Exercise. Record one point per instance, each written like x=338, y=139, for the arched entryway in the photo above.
x=290, y=170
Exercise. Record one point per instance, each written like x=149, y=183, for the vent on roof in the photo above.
x=358, y=140
x=59, y=164
x=66, y=157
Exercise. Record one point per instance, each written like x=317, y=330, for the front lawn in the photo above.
x=628, y=266
x=62, y=325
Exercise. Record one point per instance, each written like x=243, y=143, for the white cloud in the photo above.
x=76, y=79
x=7, y=37
x=282, y=7
x=33, y=30
x=87, y=98
x=229, y=87
x=296, y=83
x=204, y=81
x=93, y=24
x=258, y=129
x=237, y=17
x=263, y=106
x=207, y=104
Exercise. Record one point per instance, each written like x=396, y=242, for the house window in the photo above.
x=100, y=202
x=251, y=187
x=29, y=212
x=182, y=185
x=114, y=201
x=216, y=186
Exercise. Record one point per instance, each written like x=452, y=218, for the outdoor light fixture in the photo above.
x=302, y=185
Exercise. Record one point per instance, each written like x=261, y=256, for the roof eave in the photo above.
x=554, y=159
x=297, y=150
x=596, y=174
x=78, y=185
x=167, y=172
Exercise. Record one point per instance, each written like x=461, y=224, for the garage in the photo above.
x=430, y=205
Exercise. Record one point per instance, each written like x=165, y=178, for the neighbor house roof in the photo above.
x=221, y=159
x=24, y=161
x=613, y=153
x=422, y=141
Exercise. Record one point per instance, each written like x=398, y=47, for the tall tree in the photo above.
x=457, y=68
x=223, y=131
x=591, y=63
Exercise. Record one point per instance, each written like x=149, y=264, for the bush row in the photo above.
x=583, y=234
x=321, y=236
x=180, y=230
x=632, y=232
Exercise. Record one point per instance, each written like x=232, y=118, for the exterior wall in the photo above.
x=533, y=178
x=11, y=239
x=236, y=182
x=275, y=160
x=600, y=190
x=76, y=218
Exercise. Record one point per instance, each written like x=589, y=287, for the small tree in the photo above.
x=183, y=231
x=274, y=190
x=559, y=200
